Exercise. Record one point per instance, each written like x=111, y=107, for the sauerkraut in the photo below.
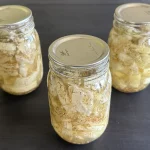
x=21, y=68
x=79, y=108
x=130, y=57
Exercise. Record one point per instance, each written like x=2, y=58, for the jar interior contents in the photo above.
x=21, y=67
x=79, y=107
x=130, y=57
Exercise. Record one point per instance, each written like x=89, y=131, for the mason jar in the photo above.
x=129, y=43
x=21, y=68
x=79, y=87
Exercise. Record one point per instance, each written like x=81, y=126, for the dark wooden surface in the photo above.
x=24, y=120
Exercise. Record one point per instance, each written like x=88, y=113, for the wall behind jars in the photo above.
x=70, y=1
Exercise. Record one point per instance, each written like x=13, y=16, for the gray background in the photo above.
x=69, y=1
x=25, y=121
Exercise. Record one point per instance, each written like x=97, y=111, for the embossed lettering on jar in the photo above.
x=79, y=87
x=21, y=68
x=129, y=43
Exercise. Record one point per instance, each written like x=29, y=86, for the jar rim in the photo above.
x=55, y=57
x=25, y=15
x=122, y=14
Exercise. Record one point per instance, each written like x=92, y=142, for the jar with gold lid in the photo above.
x=21, y=68
x=79, y=87
x=129, y=43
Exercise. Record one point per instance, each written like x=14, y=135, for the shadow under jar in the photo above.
x=129, y=43
x=21, y=68
x=79, y=87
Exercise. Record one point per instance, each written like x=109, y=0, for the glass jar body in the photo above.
x=79, y=107
x=21, y=67
x=129, y=57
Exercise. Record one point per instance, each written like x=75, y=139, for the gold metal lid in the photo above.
x=14, y=14
x=78, y=50
x=134, y=13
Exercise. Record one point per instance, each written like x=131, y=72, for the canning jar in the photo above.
x=21, y=68
x=129, y=43
x=79, y=87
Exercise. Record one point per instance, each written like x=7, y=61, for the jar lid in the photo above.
x=134, y=13
x=14, y=14
x=78, y=50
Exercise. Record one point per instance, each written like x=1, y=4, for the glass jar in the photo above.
x=129, y=43
x=21, y=68
x=79, y=87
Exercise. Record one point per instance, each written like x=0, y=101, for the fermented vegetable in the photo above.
x=130, y=57
x=21, y=67
x=79, y=108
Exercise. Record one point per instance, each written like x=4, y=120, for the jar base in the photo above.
x=130, y=90
x=80, y=143
x=10, y=91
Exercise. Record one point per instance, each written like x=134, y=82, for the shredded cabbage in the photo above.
x=21, y=68
x=79, y=112
x=129, y=58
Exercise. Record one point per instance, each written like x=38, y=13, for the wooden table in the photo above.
x=25, y=121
